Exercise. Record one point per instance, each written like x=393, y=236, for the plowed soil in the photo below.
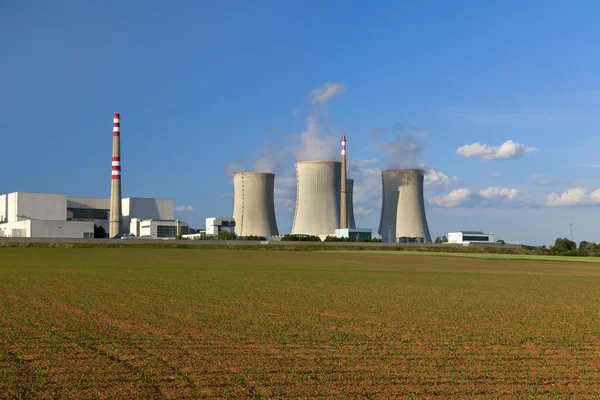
x=182, y=323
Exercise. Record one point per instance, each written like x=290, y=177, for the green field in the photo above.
x=189, y=323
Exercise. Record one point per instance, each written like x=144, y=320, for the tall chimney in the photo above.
x=343, y=198
x=115, y=188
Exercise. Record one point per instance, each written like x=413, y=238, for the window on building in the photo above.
x=166, y=231
x=89, y=213
x=185, y=230
x=476, y=238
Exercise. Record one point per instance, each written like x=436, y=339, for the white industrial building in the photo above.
x=354, y=234
x=25, y=214
x=216, y=225
x=466, y=237
x=158, y=229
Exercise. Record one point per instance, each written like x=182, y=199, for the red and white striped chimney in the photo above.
x=115, y=189
x=343, y=194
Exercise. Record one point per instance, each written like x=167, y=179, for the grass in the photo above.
x=487, y=256
x=172, y=323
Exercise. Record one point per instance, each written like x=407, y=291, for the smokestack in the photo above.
x=253, y=204
x=115, y=188
x=343, y=198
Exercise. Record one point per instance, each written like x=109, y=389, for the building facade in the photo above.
x=41, y=215
x=466, y=237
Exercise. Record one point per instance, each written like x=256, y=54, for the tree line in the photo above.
x=566, y=247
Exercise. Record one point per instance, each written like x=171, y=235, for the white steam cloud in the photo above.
x=326, y=92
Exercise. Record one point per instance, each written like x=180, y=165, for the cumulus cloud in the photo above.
x=490, y=197
x=574, y=197
x=508, y=150
x=184, y=209
x=326, y=92
x=495, y=192
x=453, y=199
x=437, y=180
x=285, y=193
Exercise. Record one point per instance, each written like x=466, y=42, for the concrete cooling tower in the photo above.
x=390, y=182
x=317, y=197
x=411, y=221
x=253, y=204
x=350, y=203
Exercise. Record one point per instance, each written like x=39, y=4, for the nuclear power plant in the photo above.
x=324, y=207
x=402, y=207
x=318, y=192
x=254, y=206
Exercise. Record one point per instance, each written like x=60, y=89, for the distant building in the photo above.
x=214, y=226
x=45, y=215
x=158, y=229
x=466, y=237
x=354, y=234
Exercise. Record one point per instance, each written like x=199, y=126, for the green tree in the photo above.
x=438, y=239
x=227, y=236
x=500, y=241
x=564, y=247
x=444, y=239
x=99, y=232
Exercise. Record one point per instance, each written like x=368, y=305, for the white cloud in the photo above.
x=453, y=199
x=363, y=211
x=285, y=193
x=326, y=92
x=578, y=196
x=508, y=150
x=184, y=209
x=491, y=197
x=495, y=175
x=437, y=180
x=493, y=193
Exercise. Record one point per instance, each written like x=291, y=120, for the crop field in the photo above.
x=186, y=323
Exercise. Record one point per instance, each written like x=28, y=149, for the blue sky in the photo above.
x=209, y=86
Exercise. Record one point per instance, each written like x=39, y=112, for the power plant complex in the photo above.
x=324, y=207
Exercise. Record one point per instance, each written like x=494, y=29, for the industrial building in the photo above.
x=411, y=221
x=158, y=229
x=317, y=197
x=24, y=214
x=403, y=207
x=254, y=205
x=214, y=226
x=353, y=233
x=466, y=237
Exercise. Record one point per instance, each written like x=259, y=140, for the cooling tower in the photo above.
x=390, y=182
x=350, y=203
x=411, y=221
x=318, y=192
x=253, y=205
